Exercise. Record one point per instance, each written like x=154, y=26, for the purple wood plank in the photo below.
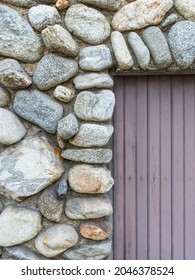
x=142, y=154
x=177, y=168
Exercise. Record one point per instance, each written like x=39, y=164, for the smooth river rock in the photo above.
x=84, y=178
x=95, y=27
x=93, y=80
x=12, y=129
x=171, y=19
x=141, y=13
x=186, y=8
x=53, y=70
x=92, y=135
x=62, y=188
x=182, y=43
x=68, y=127
x=28, y=167
x=21, y=252
x=22, y=3
x=18, y=224
x=4, y=97
x=17, y=38
x=38, y=108
x=56, y=239
x=111, y=5
x=64, y=94
x=96, y=230
x=85, y=207
x=91, y=106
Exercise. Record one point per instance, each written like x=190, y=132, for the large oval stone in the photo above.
x=186, y=8
x=141, y=13
x=93, y=80
x=28, y=167
x=87, y=24
x=17, y=38
x=21, y=252
x=21, y=3
x=18, y=224
x=111, y=5
x=96, y=230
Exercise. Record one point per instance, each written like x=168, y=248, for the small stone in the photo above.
x=92, y=135
x=95, y=58
x=12, y=75
x=186, y=8
x=60, y=141
x=96, y=230
x=121, y=52
x=17, y=38
x=56, y=239
x=182, y=43
x=89, y=179
x=42, y=16
x=87, y=24
x=12, y=129
x=141, y=13
x=58, y=39
x=103, y=4
x=140, y=50
x=53, y=70
x=4, y=97
x=96, y=156
x=62, y=188
x=170, y=20
x=64, y=94
x=93, y=80
x=24, y=253
x=82, y=208
x=18, y=224
x=68, y=126
x=49, y=205
x=63, y=4
x=90, y=251
x=158, y=46
x=29, y=167
x=38, y=108
x=91, y=106
x=1, y=206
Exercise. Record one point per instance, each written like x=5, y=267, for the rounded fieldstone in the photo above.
x=89, y=179
x=12, y=129
x=49, y=205
x=56, y=239
x=68, y=126
x=24, y=253
x=87, y=24
x=64, y=94
x=18, y=224
x=42, y=15
x=53, y=70
x=103, y=4
x=22, y=3
x=171, y=19
x=93, y=80
x=62, y=188
x=18, y=40
x=63, y=4
x=186, y=8
x=4, y=97
x=182, y=43
x=96, y=230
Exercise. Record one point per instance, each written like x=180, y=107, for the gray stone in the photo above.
x=84, y=178
x=171, y=19
x=12, y=129
x=62, y=188
x=18, y=224
x=93, y=80
x=24, y=253
x=68, y=126
x=91, y=106
x=90, y=251
x=12, y=75
x=92, y=135
x=38, y=108
x=1, y=206
x=95, y=58
x=21, y=3
x=53, y=70
x=140, y=50
x=121, y=52
x=28, y=167
x=64, y=94
x=82, y=208
x=88, y=155
x=182, y=43
x=158, y=46
x=141, y=13
x=42, y=16
x=17, y=38
x=87, y=24
x=186, y=8
x=4, y=97
x=56, y=239
x=49, y=205
x=58, y=39
x=111, y=5
x=96, y=230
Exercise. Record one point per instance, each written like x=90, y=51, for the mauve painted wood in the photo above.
x=154, y=161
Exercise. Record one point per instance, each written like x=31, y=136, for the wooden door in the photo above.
x=154, y=167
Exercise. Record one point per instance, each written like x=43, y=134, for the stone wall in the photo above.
x=56, y=107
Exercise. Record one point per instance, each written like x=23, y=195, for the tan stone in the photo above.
x=63, y=4
x=186, y=8
x=140, y=14
x=96, y=230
